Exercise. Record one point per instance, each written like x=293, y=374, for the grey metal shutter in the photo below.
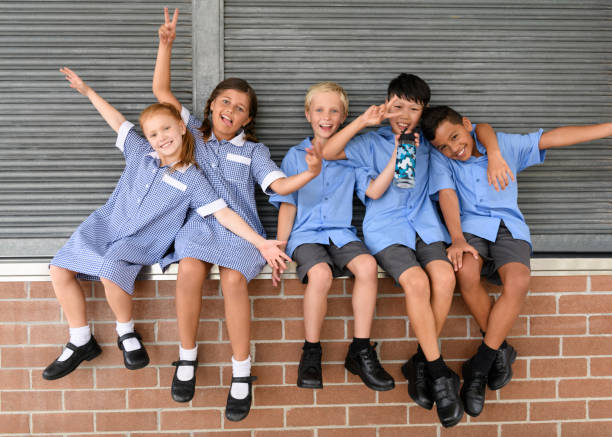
x=518, y=65
x=58, y=160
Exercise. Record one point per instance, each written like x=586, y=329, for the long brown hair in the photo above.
x=188, y=150
x=232, y=83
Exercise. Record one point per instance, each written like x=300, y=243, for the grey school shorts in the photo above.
x=309, y=254
x=397, y=258
x=506, y=249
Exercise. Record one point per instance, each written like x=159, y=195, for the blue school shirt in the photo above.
x=232, y=168
x=141, y=218
x=400, y=213
x=325, y=204
x=483, y=208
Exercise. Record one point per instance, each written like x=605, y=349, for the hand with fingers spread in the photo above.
x=75, y=81
x=314, y=160
x=167, y=31
x=272, y=251
x=375, y=114
x=276, y=277
x=456, y=250
x=498, y=171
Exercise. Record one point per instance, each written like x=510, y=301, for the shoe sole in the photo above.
x=89, y=357
x=312, y=386
x=457, y=420
x=412, y=395
x=506, y=381
x=367, y=384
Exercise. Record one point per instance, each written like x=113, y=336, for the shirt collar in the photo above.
x=307, y=142
x=182, y=168
x=238, y=140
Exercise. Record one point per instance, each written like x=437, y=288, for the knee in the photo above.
x=415, y=285
x=191, y=267
x=365, y=267
x=320, y=275
x=60, y=273
x=517, y=286
x=443, y=282
x=233, y=283
x=468, y=280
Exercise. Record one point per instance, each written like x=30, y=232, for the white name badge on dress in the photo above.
x=239, y=158
x=175, y=183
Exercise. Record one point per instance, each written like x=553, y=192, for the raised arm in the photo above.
x=113, y=117
x=570, y=135
x=288, y=185
x=286, y=218
x=497, y=169
x=449, y=204
x=161, y=75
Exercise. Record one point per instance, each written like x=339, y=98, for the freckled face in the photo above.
x=165, y=134
x=326, y=114
x=230, y=112
x=405, y=114
x=455, y=140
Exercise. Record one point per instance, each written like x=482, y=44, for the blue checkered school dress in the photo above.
x=141, y=218
x=232, y=168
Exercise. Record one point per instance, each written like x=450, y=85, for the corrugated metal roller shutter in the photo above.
x=519, y=66
x=58, y=162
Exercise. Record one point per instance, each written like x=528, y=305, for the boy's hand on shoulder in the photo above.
x=167, y=31
x=314, y=160
x=498, y=171
x=455, y=252
x=75, y=81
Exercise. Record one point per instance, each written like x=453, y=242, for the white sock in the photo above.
x=131, y=344
x=240, y=390
x=78, y=337
x=185, y=373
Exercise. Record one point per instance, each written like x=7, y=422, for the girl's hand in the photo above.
x=314, y=160
x=274, y=255
x=75, y=81
x=455, y=252
x=498, y=171
x=276, y=277
x=167, y=31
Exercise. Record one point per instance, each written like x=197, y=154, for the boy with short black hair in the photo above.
x=490, y=224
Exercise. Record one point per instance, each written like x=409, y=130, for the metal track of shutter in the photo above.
x=58, y=160
x=519, y=66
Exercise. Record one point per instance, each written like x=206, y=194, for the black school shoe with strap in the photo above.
x=414, y=370
x=136, y=359
x=183, y=391
x=445, y=392
x=365, y=364
x=501, y=372
x=58, y=369
x=238, y=409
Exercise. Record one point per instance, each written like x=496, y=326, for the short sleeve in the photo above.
x=363, y=177
x=190, y=121
x=129, y=142
x=265, y=171
x=203, y=198
x=440, y=173
x=288, y=167
x=359, y=151
x=525, y=149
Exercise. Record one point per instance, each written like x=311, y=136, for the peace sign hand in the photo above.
x=167, y=31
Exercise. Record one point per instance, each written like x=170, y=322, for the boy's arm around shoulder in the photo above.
x=570, y=135
x=497, y=168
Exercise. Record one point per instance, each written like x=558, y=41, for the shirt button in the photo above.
x=477, y=180
x=410, y=206
x=147, y=186
x=480, y=200
x=327, y=198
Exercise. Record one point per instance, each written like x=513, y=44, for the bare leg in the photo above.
x=315, y=300
x=474, y=294
x=70, y=296
x=442, y=283
x=365, y=289
x=237, y=311
x=191, y=275
x=119, y=301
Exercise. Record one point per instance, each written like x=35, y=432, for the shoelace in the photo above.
x=370, y=358
x=500, y=362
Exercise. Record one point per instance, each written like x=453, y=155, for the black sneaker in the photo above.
x=418, y=386
x=445, y=391
x=88, y=351
x=501, y=372
x=365, y=364
x=309, y=370
x=473, y=389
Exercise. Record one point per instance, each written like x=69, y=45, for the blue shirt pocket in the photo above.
x=237, y=168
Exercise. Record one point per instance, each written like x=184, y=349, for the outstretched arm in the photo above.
x=449, y=204
x=113, y=117
x=161, y=75
x=497, y=169
x=288, y=185
x=269, y=248
x=570, y=135
x=286, y=218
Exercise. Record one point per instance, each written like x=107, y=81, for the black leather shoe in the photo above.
x=309, y=370
x=418, y=386
x=501, y=372
x=473, y=389
x=238, y=409
x=445, y=391
x=183, y=391
x=365, y=364
x=136, y=359
x=88, y=352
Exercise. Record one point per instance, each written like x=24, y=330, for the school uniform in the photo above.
x=232, y=168
x=491, y=216
x=324, y=212
x=140, y=219
x=402, y=217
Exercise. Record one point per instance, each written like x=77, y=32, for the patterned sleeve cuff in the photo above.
x=185, y=114
x=211, y=208
x=271, y=177
x=124, y=129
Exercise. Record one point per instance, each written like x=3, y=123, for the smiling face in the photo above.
x=230, y=113
x=165, y=134
x=455, y=140
x=325, y=114
x=405, y=115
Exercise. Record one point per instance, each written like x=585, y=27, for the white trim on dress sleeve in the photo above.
x=211, y=208
x=271, y=177
x=185, y=114
x=125, y=127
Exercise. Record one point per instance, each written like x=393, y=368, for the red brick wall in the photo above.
x=562, y=384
